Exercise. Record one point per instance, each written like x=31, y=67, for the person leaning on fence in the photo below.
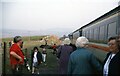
x=82, y=61
x=16, y=56
x=63, y=54
x=111, y=65
x=36, y=60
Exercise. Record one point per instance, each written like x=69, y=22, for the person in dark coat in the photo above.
x=73, y=46
x=63, y=54
x=10, y=44
x=36, y=60
x=111, y=65
x=82, y=61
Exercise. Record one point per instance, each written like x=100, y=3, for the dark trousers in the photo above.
x=17, y=70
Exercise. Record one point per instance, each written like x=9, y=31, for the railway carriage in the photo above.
x=101, y=28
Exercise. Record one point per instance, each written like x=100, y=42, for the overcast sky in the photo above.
x=36, y=15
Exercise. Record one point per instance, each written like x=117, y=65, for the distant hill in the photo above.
x=12, y=33
x=56, y=31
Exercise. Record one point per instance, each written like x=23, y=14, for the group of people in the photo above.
x=82, y=61
x=17, y=57
x=37, y=58
x=72, y=60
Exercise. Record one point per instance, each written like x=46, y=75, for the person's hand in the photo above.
x=20, y=59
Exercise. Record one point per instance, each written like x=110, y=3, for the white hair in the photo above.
x=81, y=41
x=67, y=41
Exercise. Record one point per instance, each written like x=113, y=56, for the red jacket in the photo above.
x=15, y=48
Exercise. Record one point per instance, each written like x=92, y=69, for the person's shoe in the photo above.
x=32, y=72
x=38, y=73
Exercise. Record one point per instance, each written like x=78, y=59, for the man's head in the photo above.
x=114, y=44
x=44, y=49
x=81, y=41
x=18, y=40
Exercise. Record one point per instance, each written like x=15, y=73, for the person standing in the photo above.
x=111, y=66
x=63, y=54
x=10, y=43
x=82, y=61
x=16, y=56
x=36, y=60
x=54, y=48
x=44, y=53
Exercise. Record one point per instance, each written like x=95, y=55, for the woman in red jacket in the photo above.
x=16, y=56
